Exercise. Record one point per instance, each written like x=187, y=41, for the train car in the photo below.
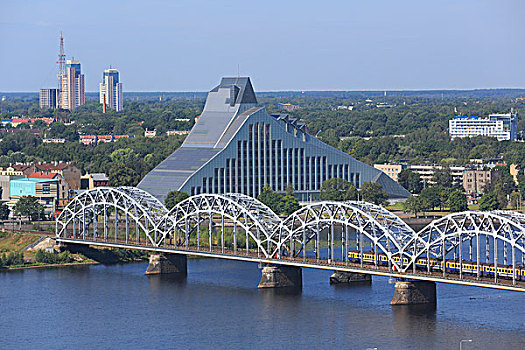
x=437, y=265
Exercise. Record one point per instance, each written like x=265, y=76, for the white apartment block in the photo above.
x=426, y=172
x=501, y=126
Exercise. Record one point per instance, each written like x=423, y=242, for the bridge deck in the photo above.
x=323, y=264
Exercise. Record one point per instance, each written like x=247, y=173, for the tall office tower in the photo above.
x=72, y=94
x=49, y=98
x=111, y=89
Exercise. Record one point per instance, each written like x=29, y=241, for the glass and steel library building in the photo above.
x=236, y=146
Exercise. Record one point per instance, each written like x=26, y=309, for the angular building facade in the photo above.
x=236, y=146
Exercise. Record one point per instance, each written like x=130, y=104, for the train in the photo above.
x=437, y=265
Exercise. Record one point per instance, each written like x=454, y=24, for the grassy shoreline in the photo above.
x=37, y=266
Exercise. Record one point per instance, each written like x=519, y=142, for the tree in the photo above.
x=29, y=207
x=271, y=199
x=4, y=211
x=443, y=177
x=435, y=196
x=501, y=194
x=123, y=156
x=457, y=201
x=515, y=200
x=410, y=180
x=289, y=190
x=373, y=192
x=489, y=201
x=173, y=198
x=414, y=205
x=289, y=204
x=336, y=189
x=120, y=175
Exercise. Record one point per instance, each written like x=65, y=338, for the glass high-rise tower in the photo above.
x=111, y=89
x=73, y=93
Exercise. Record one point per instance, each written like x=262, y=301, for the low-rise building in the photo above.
x=118, y=137
x=426, y=172
x=392, y=170
x=90, y=181
x=17, y=169
x=177, y=132
x=46, y=191
x=501, y=126
x=54, y=140
x=288, y=107
x=474, y=180
x=69, y=172
x=62, y=197
x=94, y=139
x=88, y=139
x=150, y=133
x=5, y=183
x=104, y=138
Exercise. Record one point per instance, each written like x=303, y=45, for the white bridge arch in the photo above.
x=183, y=222
x=365, y=221
x=130, y=215
x=88, y=215
x=483, y=237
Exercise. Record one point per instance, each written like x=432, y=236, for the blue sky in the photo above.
x=283, y=45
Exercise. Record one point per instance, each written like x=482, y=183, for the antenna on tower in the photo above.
x=61, y=58
x=61, y=69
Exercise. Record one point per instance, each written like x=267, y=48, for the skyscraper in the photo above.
x=111, y=89
x=72, y=94
x=49, y=98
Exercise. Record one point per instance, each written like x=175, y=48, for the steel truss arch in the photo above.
x=256, y=219
x=389, y=220
x=84, y=210
x=449, y=234
x=370, y=221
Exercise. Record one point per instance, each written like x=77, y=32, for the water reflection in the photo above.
x=415, y=320
x=161, y=281
x=218, y=305
x=286, y=291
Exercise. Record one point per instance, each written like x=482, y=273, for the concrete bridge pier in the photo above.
x=167, y=263
x=341, y=277
x=414, y=292
x=281, y=276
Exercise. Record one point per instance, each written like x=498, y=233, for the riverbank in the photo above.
x=38, y=266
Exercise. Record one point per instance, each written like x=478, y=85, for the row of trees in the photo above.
x=41, y=256
x=27, y=206
x=285, y=204
x=437, y=197
x=11, y=258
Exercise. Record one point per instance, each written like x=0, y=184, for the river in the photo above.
x=219, y=306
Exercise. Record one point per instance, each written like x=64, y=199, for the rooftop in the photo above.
x=33, y=180
x=42, y=175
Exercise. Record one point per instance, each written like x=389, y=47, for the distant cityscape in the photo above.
x=70, y=92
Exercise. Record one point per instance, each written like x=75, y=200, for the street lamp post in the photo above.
x=464, y=341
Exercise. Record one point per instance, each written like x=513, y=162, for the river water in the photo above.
x=219, y=306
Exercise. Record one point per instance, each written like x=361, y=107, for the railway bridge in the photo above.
x=354, y=239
